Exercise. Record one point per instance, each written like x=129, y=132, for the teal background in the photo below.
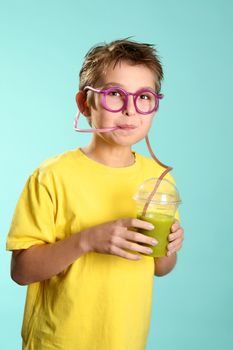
x=42, y=46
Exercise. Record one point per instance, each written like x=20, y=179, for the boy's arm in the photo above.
x=164, y=265
x=41, y=262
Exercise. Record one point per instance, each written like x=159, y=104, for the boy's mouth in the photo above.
x=126, y=126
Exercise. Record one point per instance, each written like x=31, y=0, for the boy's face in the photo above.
x=131, y=78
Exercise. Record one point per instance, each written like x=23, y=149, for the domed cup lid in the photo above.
x=166, y=192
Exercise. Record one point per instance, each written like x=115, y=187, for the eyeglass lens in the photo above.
x=145, y=101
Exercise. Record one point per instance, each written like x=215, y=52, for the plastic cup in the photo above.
x=160, y=211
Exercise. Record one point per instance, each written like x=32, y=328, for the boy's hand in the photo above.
x=175, y=238
x=115, y=237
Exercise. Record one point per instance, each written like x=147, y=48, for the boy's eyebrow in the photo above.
x=113, y=83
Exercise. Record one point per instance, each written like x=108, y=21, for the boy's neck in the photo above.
x=114, y=156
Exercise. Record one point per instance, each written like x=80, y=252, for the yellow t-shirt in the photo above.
x=100, y=302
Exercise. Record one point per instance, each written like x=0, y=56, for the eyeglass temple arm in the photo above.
x=91, y=88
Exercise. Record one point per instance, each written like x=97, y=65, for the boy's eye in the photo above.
x=114, y=93
x=145, y=97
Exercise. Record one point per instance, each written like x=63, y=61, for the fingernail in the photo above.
x=150, y=226
x=137, y=257
x=154, y=242
x=149, y=250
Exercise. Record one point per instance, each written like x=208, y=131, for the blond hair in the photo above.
x=100, y=57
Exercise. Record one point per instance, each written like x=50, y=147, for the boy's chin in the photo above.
x=120, y=138
x=127, y=141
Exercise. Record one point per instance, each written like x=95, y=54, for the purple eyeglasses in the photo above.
x=115, y=99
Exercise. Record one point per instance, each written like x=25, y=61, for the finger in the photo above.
x=173, y=245
x=134, y=247
x=175, y=249
x=122, y=253
x=139, y=237
x=177, y=234
x=175, y=226
x=133, y=222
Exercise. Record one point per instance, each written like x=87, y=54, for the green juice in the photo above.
x=162, y=228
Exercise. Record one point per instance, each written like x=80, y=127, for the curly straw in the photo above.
x=159, y=179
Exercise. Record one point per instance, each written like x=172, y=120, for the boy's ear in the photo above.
x=82, y=103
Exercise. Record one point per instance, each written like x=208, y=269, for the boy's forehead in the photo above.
x=128, y=75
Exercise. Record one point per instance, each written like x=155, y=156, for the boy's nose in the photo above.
x=130, y=108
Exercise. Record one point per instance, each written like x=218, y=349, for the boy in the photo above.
x=73, y=234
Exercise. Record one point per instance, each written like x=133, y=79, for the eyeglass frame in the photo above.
x=135, y=95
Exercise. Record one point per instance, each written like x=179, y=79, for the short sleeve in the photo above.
x=33, y=219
